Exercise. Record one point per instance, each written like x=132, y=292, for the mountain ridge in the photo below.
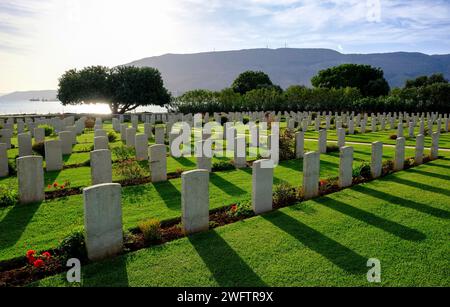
x=215, y=70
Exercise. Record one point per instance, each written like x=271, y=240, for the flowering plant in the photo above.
x=243, y=209
x=38, y=261
x=57, y=186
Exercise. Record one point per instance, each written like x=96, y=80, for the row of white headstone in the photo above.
x=103, y=210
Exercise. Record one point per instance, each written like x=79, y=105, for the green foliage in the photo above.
x=222, y=166
x=39, y=148
x=287, y=145
x=12, y=167
x=241, y=209
x=124, y=88
x=8, y=196
x=112, y=137
x=74, y=246
x=123, y=153
x=129, y=170
x=251, y=80
x=363, y=171
x=369, y=80
x=151, y=230
x=48, y=130
x=425, y=80
x=284, y=194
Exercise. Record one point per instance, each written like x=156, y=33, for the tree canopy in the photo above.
x=123, y=88
x=425, y=80
x=369, y=80
x=252, y=80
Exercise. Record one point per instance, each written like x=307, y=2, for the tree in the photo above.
x=252, y=80
x=123, y=88
x=132, y=87
x=369, y=80
x=425, y=80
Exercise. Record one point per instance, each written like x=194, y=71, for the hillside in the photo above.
x=287, y=66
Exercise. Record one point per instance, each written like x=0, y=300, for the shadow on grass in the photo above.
x=111, y=273
x=14, y=223
x=169, y=194
x=436, y=212
x=335, y=252
x=225, y=265
x=394, y=228
x=425, y=173
x=421, y=186
x=225, y=185
x=185, y=162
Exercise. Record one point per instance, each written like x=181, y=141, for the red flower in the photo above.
x=234, y=208
x=30, y=253
x=38, y=263
x=49, y=186
x=46, y=255
x=55, y=184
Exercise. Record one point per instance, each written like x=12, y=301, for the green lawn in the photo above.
x=402, y=220
x=383, y=136
x=42, y=226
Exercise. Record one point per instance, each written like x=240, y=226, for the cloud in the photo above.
x=41, y=39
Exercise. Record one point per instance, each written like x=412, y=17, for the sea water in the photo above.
x=55, y=107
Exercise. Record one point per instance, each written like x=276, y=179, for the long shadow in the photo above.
x=168, y=193
x=335, y=252
x=225, y=185
x=421, y=186
x=185, y=162
x=425, y=173
x=436, y=212
x=114, y=273
x=225, y=265
x=394, y=228
x=14, y=223
x=439, y=165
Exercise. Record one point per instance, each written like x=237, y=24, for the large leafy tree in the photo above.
x=252, y=80
x=369, y=80
x=123, y=88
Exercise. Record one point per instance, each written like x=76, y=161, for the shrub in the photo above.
x=332, y=148
x=112, y=136
x=74, y=246
x=393, y=137
x=362, y=171
x=12, y=167
x=287, y=145
x=222, y=166
x=284, y=194
x=151, y=229
x=241, y=210
x=8, y=196
x=387, y=168
x=123, y=153
x=39, y=148
x=129, y=170
x=48, y=129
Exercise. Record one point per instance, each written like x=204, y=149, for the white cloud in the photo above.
x=41, y=39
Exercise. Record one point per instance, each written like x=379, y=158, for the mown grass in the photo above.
x=402, y=220
x=384, y=137
x=42, y=226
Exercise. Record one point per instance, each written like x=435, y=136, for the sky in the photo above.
x=40, y=39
